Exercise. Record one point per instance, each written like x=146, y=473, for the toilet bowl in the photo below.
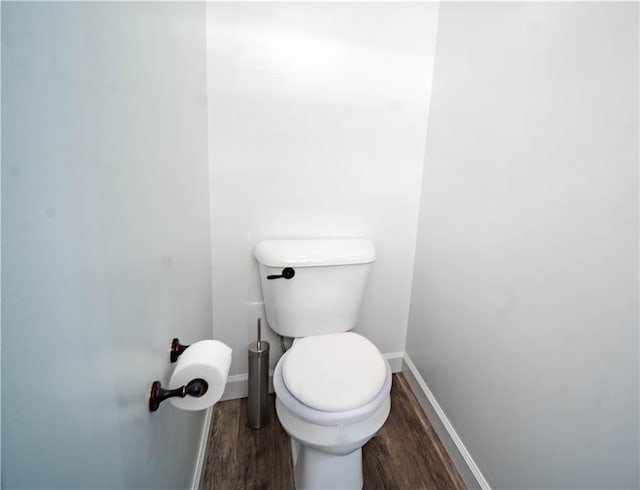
x=332, y=386
x=326, y=445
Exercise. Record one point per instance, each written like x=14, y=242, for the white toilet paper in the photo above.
x=209, y=360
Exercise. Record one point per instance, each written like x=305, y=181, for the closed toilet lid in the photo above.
x=334, y=372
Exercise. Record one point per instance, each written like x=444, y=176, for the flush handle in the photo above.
x=287, y=273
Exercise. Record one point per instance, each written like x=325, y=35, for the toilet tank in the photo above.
x=325, y=292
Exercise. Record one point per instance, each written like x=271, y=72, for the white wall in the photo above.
x=105, y=239
x=0, y=248
x=317, y=125
x=524, y=312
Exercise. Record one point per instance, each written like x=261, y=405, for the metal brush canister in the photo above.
x=258, y=398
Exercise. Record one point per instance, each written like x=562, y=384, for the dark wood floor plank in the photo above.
x=415, y=456
x=238, y=457
x=406, y=453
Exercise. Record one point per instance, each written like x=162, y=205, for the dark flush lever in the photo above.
x=287, y=273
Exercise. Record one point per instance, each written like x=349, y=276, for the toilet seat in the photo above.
x=322, y=417
x=334, y=372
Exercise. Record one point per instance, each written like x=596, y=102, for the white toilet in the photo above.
x=332, y=386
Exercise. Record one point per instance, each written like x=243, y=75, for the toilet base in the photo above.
x=315, y=469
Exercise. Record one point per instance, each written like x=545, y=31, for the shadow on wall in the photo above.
x=105, y=252
x=524, y=312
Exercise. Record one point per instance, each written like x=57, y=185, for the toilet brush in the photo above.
x=258, y=396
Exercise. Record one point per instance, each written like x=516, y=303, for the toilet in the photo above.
x=333, y=385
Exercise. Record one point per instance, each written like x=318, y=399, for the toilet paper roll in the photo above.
x=209, y=360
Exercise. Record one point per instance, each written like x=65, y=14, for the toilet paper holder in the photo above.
x=175, y=349
x=157, y=394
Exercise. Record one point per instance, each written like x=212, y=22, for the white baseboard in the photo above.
x=202, y=450
x=395, y=361
x=466, y=466
x=238, y=385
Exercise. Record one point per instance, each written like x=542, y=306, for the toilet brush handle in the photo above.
x=259, y=333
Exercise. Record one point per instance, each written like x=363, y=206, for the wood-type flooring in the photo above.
x=405, y=454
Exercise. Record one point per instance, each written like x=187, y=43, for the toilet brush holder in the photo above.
x=258, y=396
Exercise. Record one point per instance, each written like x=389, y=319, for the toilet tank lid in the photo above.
x=315, y=252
